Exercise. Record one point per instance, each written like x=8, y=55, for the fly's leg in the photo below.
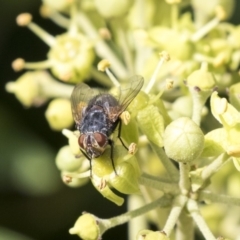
x=111, y=143
x=90, y=160
x=119, y=134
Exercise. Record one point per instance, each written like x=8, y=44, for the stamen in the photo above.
x=220, y=15
x=104, y=67
x=164, y=57
x=24, y=19
x=20, y=64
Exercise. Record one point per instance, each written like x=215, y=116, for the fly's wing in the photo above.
x=80, y=97
x=126, y=96
x=130, y=92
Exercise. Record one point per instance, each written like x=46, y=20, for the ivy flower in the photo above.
x=70, y=56
x=225, y=139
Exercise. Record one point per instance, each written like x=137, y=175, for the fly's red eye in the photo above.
x=101, y=139
x=80, y=141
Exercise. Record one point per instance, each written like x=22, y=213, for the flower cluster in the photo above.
x=176, y=150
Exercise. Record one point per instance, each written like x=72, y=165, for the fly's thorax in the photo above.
x=93, y=143
x=94, y=120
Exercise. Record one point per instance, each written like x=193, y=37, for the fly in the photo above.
x=97, y=115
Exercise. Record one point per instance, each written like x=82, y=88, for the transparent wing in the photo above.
x=125, y=97
x=130, y=92
x=80, y=97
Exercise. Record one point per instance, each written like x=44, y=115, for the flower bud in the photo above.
x=86, y=227
x=71, y=57
x=59, y=114
x=202, y=79
x=127, y=180
x=26, y=88
x=124, y=180
x=113, y=8
x=183, y=140
x=66, y=161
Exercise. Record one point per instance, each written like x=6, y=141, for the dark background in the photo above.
x=33, y=200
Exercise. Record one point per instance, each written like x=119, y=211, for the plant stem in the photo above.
x=127, y=53
x=138, y=223
x=178, y=204
x=159, y=185
x=123, y=218
x=155, y=74
x=199, y=220
x=101, y=47
x=199, y=100
x=169, y=166
x=184, y=182
x=205, y=29
x=217, y=198
x=185, y=227
x=213, y=167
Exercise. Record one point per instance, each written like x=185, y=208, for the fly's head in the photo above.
x=93, y=143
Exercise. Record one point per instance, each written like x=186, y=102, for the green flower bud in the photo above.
x=113, y=8
x=183, y=140
x=86, y=227
x=59, y=114
x=202, y=78
x=71, y=57
x=66, y=161
x=102, y=166
x=26, y=88
x=151, y=123
x=104, y=177
x=127, y=180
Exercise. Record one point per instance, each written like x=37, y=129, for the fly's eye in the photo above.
x=80, y=141
x=101, y=139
